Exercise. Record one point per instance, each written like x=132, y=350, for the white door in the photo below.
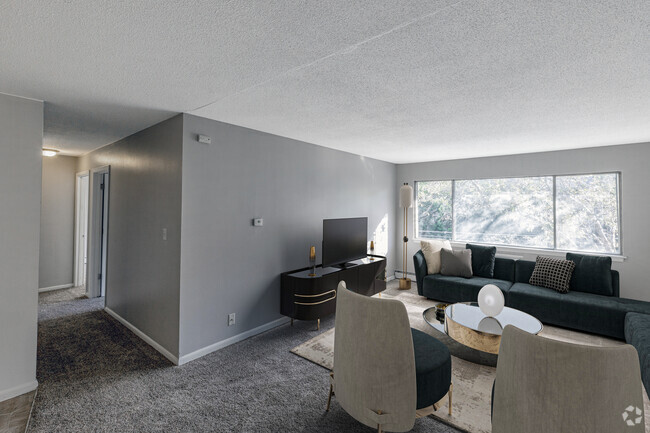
x=98, y=227
x=81, y=228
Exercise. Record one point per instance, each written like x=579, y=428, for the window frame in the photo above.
x=616, y=256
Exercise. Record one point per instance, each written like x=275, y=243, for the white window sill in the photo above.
x=510, y=252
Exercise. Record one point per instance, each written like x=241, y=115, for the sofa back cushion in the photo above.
x=523, y=270
x=482, y=260
x=504, y=269
x=593, y=274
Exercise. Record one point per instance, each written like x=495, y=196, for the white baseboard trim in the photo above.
x=150, y=341
x=232, y=340
x=49, y=289
x=6, y=394
x=391, y=278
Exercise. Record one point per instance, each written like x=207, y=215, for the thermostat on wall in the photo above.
x=204, y=139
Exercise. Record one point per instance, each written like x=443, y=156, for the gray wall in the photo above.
x=21, y=138
x=227, y=265
x=56, y=264
x=631, y=160
x=143, y=270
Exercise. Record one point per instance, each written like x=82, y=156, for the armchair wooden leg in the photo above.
x=329, y=399
x=451, y=389
x=379, y=425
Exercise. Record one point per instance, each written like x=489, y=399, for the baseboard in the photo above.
x=49, y=289
x=232, y=340
x=391, y=278
x=150, y=341
x=404, y=275
x=6, y=394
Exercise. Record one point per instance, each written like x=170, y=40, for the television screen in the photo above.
x=344, y=240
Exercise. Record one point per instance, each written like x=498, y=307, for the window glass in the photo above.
x=578, y=213
x=511, y=211
x=587, y=213
x=433, y=209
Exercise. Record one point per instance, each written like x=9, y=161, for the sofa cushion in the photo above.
x=432, y=368
x=552, y=273
x=523, y=270
x=504, y=269
x=577, y=310
x=456, y=263
x=457, y=289
x=482, y=260
x=431, y=250
x=637, y=333
x=593, y=274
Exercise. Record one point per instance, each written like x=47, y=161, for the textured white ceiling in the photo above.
x=401, y=81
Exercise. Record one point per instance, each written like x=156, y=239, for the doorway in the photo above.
x=99, y=186
x=81, y=229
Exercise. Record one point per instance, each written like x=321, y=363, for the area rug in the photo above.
x=473, y=372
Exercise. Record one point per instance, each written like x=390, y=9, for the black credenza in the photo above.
x=305, y=297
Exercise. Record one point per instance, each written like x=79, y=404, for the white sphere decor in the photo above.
x=491, y=300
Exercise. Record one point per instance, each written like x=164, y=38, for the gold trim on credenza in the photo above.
x=315, y=296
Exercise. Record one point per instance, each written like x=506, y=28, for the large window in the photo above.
x=578, y=213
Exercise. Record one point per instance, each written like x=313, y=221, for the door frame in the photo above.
x=80, y=243
x=98, y=232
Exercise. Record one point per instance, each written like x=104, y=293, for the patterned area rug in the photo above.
x=473, y=372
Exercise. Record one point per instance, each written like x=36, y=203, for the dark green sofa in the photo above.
x=579, y=310
x=637, y=333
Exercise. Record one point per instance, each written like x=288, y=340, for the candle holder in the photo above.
x=312, y=261
x=372, y=249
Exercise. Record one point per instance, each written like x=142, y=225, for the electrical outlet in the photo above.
x=231, y=319
x=164, y=234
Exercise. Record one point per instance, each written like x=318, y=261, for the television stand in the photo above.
x=347, y=265
x=305, y=297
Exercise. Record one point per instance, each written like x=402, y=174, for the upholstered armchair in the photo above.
x=545, y=385
x=385, y=374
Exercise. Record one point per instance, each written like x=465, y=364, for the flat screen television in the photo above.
x=344, y=240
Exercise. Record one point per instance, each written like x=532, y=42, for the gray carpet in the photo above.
x=96, y=376
x=55, y=296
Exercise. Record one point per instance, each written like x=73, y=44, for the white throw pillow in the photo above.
x=431, y=250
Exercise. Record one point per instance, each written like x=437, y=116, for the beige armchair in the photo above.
x=375, y=378
x=544, y=385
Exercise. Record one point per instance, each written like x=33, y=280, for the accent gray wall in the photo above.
x=56, y=264
x=229, y=266
x=143, y=270
x=21, y=138
x=631, y=160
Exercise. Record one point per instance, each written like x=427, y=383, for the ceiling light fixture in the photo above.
x=50, y=152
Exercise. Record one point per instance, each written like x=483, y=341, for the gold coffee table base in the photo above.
x=475, y=339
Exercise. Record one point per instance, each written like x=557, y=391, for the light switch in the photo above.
x=164, y=234
x=258, y=222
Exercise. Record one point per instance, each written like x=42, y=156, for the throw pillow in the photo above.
x=482, y=260
x=456, y=263
x=552, y=273
x=593, y=274
x=431, y=250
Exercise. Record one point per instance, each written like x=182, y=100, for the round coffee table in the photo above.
x=466, y=323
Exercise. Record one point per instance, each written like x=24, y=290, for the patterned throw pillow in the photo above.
x=552, y=273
